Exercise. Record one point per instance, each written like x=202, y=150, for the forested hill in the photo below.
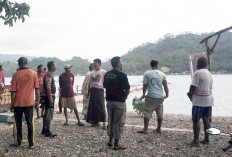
x=173, y=52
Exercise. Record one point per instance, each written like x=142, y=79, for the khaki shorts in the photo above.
x=68, y=102
x=151, y=105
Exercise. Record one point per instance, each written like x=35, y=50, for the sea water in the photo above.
x=177, y=102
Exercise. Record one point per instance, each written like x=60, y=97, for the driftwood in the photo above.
x=210, y=50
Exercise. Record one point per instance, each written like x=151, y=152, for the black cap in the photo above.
x=22, y=60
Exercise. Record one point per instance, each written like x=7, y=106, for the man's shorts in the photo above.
x=199, y=112
x=48, y=115
x=68, y=102
x=151, y=105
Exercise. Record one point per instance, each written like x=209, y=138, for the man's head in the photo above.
x=91, y=66
x=67, y=68
x=1, y=67
x=154, y=64
x=97, y=64
x=40, y=68
x=116, y=63
x=22, y=62
x=202, y=62
x=51, y=66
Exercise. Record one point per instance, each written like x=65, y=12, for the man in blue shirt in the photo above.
x=154, y=80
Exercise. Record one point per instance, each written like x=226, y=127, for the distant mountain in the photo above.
x=173, y=52
x=12, y=57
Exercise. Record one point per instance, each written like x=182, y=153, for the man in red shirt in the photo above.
x=23, y=85
x=66, y=81
x=40, y=75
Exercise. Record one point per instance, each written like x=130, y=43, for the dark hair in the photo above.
x=50, y=64
x=97, y=61
x=22, y=61
x=1, y=66
x=91, y=65
x=154, y=63
x=202, y=62
x=115, y=61
x=39, y=66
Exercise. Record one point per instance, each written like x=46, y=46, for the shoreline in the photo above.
x=73, y=140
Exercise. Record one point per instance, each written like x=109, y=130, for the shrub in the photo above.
x=138, y=105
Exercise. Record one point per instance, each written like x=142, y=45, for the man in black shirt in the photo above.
x=117, y=90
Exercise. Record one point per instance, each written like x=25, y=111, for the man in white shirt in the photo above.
x=154, y=81
x=200, y=93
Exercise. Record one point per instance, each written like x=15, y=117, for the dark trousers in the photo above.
x=18, y=114
x=60, y=105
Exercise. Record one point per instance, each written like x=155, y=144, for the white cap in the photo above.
x=68, y=66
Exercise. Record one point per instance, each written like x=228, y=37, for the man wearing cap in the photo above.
x=23, y=85
x=66, y=81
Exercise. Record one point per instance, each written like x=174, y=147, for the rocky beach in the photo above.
x=75, y=141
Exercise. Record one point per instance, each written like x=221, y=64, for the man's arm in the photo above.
x=13, y=94
x=165, y=84
x=48, y=80
x=37, y=97
x=191, y=91
x=144, y=91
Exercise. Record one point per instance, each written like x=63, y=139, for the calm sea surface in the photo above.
x=178, y=102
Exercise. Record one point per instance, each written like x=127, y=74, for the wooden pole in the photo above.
x=208, y=53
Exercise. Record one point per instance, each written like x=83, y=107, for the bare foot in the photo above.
x=119, y=147
x=205, y=142
x=194, y=143
x=157, y=131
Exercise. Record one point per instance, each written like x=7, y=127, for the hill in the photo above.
x=12, y=57
x=173, y=52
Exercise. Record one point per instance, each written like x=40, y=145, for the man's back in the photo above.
x=24, y=82
x=154, y=79
x=203, y=81
x=116, y=83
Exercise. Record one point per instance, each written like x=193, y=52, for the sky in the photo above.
x=107, y=28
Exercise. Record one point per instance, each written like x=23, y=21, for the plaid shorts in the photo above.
x=151, y=105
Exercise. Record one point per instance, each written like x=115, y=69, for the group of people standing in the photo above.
x=25, y=82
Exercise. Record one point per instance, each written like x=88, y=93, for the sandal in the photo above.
x=120, y=147
x=194, y=144
x=15, y=145
x=66, y=124
x=142, y=132
x=110, y=144
x=32, y=147
x=80, y=124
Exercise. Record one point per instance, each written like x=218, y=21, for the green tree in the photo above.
x=11, y=12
